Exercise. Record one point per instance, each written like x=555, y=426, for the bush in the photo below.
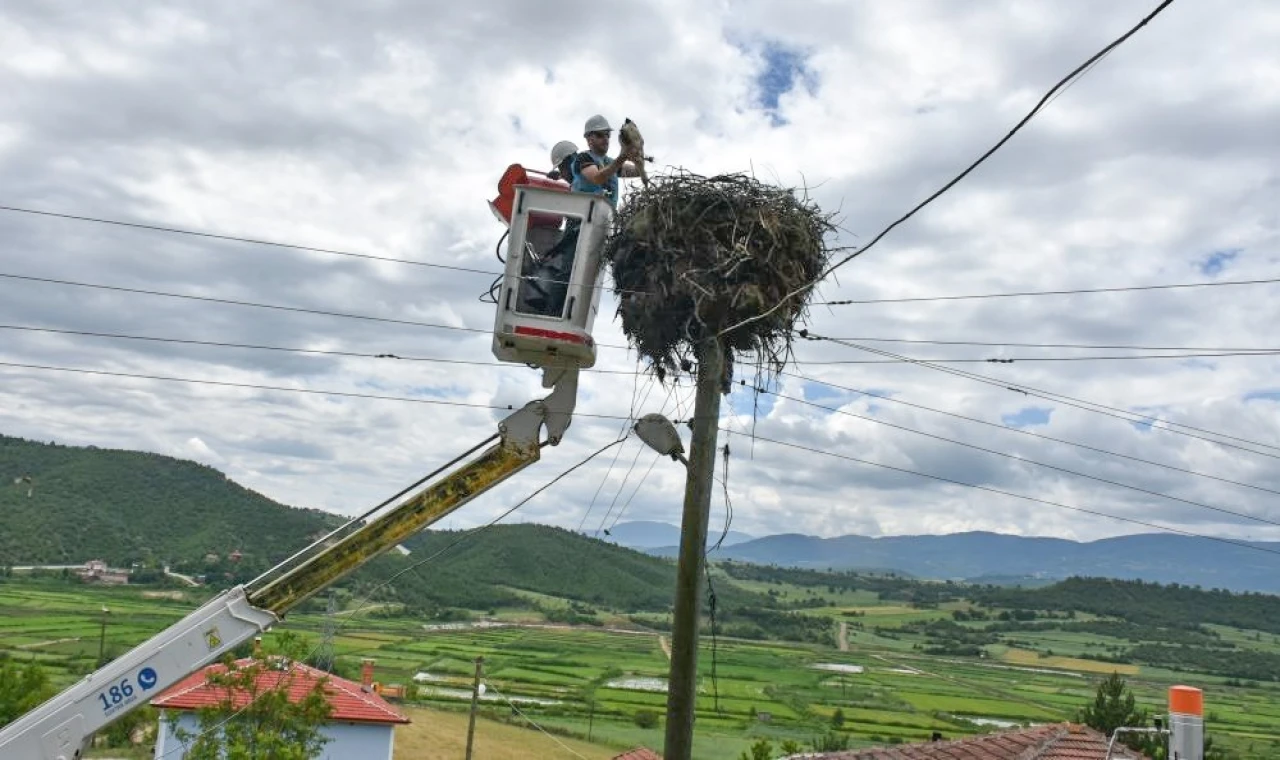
x=645, y=718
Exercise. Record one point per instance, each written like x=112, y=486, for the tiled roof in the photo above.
x=1059, y=741
x=350, y=702
x=639, y=753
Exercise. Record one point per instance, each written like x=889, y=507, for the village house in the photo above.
x=1056, y=741
x=96, y=571
x=361, y=725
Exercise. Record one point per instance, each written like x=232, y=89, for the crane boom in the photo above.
x=61, y=728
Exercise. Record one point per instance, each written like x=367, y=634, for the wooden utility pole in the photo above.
x=682, y=682
x=475, y=703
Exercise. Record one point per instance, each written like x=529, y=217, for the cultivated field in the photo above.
x=606, y=684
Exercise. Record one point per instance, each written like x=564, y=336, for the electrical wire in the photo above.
x=237, y=239
x=1102, y=409
x=294, y=350
x=1030, y=433
x=278, y=244
x=254, y=304
x=1065, y=81
x=1098, y=346
x=989, y=489
x=1026, y=359
x=1016, y=458
x=551, y=736
x=623, y=432
x=254, y=386
x=1025, y=293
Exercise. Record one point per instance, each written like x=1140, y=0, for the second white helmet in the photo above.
x=562, y=150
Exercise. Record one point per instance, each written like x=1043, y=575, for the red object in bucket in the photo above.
x=517, y=175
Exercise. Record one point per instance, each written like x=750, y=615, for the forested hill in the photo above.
x=87, y=503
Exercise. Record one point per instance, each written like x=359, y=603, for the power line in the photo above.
x=1032, y=434
x=1026, y=293
x=549, y=735
x=254, y=304
x=254, y=386
x=989, y=489
x=293, y=350
x=1065, y=81
x=237, y=239
x=1084, y=404
x=1016, y=458
x=273, y=243
x=1024, y=359
x=1097, y=346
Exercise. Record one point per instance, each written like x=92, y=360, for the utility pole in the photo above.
x=475, y=703
x=325, y=652
x=102, y=638
x=682, y=682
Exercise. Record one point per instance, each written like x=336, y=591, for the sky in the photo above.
x=383, y=129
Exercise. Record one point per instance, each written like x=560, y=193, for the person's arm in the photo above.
x=597, y=176
x=621, y=166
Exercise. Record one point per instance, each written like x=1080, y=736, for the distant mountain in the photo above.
x=1157, y=557
x=642, y=534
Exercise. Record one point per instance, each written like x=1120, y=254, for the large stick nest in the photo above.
x=694, y=255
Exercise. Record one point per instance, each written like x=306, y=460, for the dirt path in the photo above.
x=45, y=643
x=843, y=639
x=666, y=646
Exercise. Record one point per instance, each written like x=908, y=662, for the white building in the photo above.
x=362, y=724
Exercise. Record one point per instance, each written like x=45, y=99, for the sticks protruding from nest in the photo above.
x=693, y=255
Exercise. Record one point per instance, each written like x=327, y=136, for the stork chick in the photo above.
x=633, y=142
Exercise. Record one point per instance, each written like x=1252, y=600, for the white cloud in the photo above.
x=384, y=131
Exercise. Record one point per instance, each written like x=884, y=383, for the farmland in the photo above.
x=604, y=681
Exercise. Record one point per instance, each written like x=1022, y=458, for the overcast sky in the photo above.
x=382, y=128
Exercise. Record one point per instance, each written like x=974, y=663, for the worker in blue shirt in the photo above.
x=593, y=170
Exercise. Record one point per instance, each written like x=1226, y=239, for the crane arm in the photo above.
x=61, y=728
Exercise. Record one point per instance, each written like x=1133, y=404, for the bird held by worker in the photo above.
x=633, y=143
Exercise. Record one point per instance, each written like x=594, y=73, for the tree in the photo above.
x=269, y=726
x=1114, y=706
x=837, y=718
x=21, y=689
x=762, y=749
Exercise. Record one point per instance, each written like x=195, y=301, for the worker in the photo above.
x=546, y=282
x=562, y=155
x=594, y=171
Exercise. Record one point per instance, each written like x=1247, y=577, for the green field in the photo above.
x=591, y=681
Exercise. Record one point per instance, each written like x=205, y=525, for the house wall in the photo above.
x=348, y=740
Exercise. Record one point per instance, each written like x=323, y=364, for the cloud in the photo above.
x=384, y=132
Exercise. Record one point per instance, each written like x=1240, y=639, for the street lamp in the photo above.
x=659, y=433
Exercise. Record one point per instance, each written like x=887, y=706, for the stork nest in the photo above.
x=694, y=255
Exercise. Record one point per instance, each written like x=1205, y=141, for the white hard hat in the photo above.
x=561, y=151
x=596, y=123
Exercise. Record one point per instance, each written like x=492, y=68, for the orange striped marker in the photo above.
x=1186, y=723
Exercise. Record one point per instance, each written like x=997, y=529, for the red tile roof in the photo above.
x=1059, y=741
x=639, y=753
x=351, y=704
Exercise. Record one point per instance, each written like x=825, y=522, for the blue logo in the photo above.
x=147, y=678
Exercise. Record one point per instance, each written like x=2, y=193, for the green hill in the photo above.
x=127, y=506
x=124, y=506
x=483, y=568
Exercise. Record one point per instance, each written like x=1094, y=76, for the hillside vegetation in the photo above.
x=129, y=506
